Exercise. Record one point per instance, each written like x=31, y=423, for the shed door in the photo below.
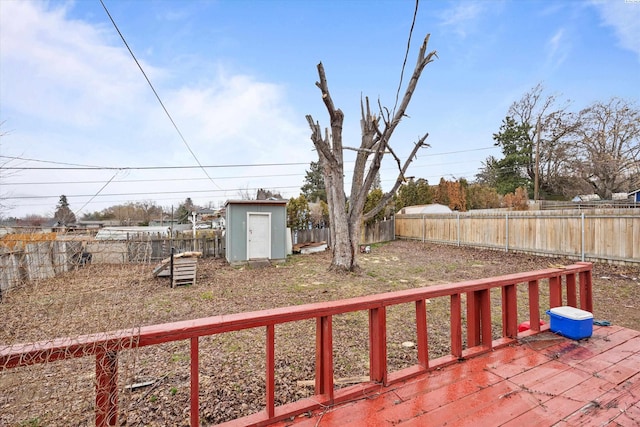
x=258, y=235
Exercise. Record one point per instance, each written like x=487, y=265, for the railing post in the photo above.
x=473, y=320
x=456, y=325
x=378, y=345
x=479, y=318
x=270, y=374
x=555, y=291
x=421, y=330
x=534, y=306
x=586, y=291
x=324, y=357
x=572, y=298
x=509, y=311
x=106, y=388
x=195, y=384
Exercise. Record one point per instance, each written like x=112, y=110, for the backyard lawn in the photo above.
x=154, y=381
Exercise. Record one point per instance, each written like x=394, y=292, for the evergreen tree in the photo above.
x=64, y=215
x=313, y=188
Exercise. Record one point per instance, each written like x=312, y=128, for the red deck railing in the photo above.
x=105, y=347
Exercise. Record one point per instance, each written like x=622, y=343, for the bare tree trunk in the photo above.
x=345, y=219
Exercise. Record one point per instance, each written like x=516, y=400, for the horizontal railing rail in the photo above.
x=575, y=280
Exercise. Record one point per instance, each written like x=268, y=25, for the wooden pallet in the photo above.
x=162, y=269
x=184, y=271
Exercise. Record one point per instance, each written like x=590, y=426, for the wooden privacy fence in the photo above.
x=105, y=347
x=605, y=235
x=381, y=231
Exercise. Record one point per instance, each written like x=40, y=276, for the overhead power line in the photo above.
x=175, y=126
x=76, y=166
x=146, y=193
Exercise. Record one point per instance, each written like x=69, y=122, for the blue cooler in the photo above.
x=571, y=322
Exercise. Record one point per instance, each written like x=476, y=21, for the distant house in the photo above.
x=586, y=198
x=433, y=208
x=256, y=230
x=635, y=196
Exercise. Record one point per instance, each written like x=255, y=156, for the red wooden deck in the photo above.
x=544, y=380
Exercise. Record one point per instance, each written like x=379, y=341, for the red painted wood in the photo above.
x=327, y=356
x=484, y=298
x=324, y=357
x=555, y=291
x=378, y=345
x=195, y=383
x=586, y=290
x=473, y=319
x=534, y=305
x=270, y=371
x=509, y=311
x=106, y=388
x=421, y=330
x=515, y=386
x=456, y=325
x=572, y=294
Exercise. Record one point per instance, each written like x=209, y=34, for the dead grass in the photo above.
x=102, y=298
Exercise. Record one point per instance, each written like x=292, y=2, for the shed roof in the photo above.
x=256, y=202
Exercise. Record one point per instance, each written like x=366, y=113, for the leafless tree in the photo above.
x=607, y=144
x=550, y=123
x=345, y=218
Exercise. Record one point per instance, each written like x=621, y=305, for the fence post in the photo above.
x=582, y=236
x=506, y=234
x=458, y=227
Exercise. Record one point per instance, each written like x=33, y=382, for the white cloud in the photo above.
x=624, y=18
x=461, y=17
x=557, y=47
x=73, y=94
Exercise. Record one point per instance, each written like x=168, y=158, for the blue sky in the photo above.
x=238, y=78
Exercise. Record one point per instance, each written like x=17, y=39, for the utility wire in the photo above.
x=74, y=166
x=147, y=193
x=96, y=195
x=157, y=96
x=406, y=55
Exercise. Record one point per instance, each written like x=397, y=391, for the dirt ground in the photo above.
x=154, y=381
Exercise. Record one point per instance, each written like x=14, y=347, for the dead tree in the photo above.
x=345, y=218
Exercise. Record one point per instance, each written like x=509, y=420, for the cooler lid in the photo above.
x=571, y=313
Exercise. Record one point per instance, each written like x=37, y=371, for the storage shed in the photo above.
x=635, y=196
x=256, y=230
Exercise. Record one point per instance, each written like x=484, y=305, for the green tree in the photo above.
x=480, y=196
x=183, y=213
x=64, y=215
x=313, y=188
x=298, y=215
x=373, y=198
x=514, y=170
x=414, y=193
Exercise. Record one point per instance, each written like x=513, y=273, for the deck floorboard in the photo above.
x=544, y=380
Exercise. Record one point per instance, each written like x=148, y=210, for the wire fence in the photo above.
x=56, y=285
